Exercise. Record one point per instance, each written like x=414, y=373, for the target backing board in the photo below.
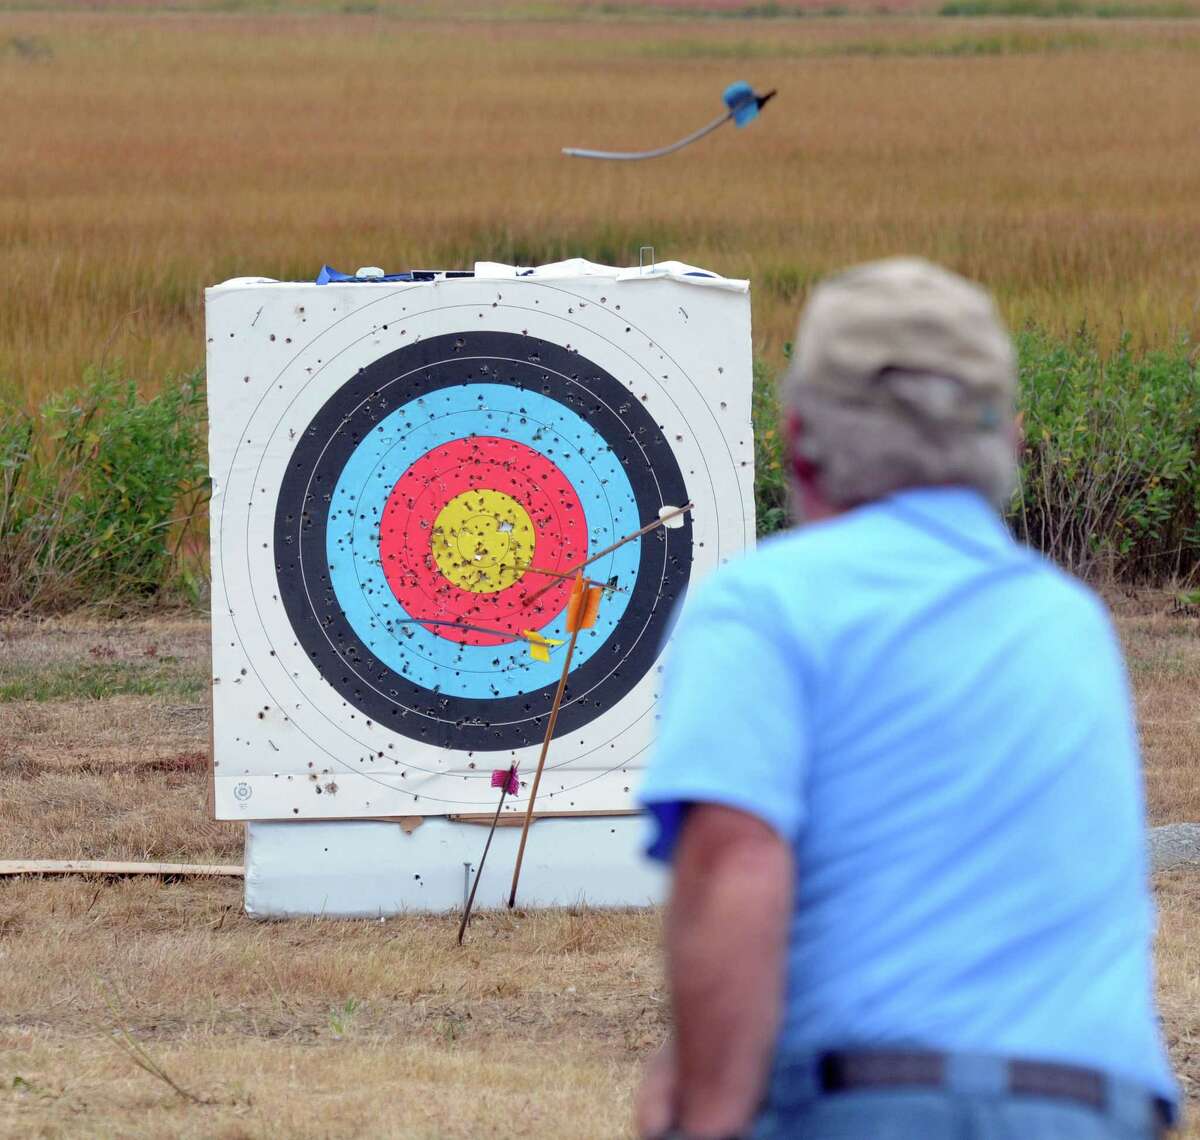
x=405, y=477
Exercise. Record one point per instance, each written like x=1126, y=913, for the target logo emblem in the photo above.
x=406, y=480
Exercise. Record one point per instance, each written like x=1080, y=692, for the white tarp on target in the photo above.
x=399, y=467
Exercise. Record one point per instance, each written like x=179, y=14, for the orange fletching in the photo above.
x=584, y=606
x=592, y=609
x=575, y=604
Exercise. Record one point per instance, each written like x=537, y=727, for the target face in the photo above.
x=419, y=507
x=401, y=500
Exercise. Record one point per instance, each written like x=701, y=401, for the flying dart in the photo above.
x=743, y=105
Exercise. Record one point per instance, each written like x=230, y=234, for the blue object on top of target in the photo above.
x=371, y=274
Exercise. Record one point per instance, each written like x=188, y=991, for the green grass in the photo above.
x=1009, y=43
x=1164, y=665
x=99, y=680
x=1060, y=9
x=950, y=47
x=702, y=12
x=479, y=11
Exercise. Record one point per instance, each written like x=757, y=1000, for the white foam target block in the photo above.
x=401, y=473
x=365, y=869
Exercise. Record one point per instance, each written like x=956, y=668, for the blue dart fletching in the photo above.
x=742, y=102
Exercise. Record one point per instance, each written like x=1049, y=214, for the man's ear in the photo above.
x=803, y=469
x=1017, y=433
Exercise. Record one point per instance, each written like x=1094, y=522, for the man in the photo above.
x=897, y=776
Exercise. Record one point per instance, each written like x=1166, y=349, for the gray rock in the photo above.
x=1174, y=845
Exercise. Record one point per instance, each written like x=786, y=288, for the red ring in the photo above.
x=406, y=536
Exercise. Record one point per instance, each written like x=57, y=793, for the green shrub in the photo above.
x=1110, y=475
x=770, y=473
x=97, y=493
x=101, y=490
x=1110, y=471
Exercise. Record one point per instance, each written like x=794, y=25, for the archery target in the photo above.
x=402, y=495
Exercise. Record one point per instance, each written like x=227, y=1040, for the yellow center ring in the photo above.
x=483, y=541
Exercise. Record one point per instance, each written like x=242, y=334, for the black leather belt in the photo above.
x=843, y=1072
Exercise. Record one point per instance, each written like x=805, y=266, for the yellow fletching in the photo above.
x=539, y=646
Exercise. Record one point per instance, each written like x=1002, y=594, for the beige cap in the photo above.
x=907, y=317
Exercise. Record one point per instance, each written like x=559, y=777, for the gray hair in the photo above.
x=864, y=451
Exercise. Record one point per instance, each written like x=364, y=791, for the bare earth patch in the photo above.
x=124, y=777
x=309, y=1029
x=1163, y=650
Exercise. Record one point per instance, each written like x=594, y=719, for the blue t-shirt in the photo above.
x=938, y=721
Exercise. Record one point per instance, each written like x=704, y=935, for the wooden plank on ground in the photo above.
x=107, y=867
x=516, y=819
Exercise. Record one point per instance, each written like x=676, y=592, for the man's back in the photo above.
x=897, y=777
x=938, y=721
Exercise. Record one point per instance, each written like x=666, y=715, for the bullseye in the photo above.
x=462, y=525
x=483, y=541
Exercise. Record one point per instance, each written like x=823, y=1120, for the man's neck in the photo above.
x=810, y=505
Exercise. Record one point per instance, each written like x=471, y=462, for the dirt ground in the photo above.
x=313, y=1029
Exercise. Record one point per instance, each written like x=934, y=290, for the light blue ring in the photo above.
x=398, y=441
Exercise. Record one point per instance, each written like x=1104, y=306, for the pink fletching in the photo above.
x=506, y=778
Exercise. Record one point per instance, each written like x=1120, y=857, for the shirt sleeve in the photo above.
x=732, y=727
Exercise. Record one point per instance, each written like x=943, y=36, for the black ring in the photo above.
x=302, y=516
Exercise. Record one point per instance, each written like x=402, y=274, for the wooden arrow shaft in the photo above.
x=541, y=764
x=661, y=521
x=462, y=927
x=570, y=577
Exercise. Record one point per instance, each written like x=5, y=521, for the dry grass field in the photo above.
x=314, y=1029
x=151, y=149
x=150, y=152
